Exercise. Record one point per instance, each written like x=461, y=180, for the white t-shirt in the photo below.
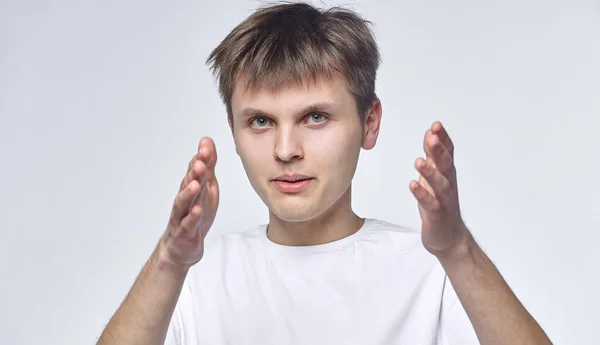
x=377, y=286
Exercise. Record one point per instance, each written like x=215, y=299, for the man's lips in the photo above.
x=292, y=186
x=292, y=177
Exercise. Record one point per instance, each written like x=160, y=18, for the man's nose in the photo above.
x=288, y=144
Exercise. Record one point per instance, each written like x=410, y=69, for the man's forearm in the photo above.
x=144, y=315
x=498, y=317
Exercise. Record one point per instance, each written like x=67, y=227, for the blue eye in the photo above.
x=317, y=117
x=260, y=121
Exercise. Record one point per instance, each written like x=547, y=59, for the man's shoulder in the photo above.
x=220, y=248
x=393, y=229
x=247, y=236
x=386, y=234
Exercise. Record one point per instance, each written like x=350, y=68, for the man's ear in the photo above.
x=371, y=125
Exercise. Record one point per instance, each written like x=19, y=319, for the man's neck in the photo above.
x=334, y=224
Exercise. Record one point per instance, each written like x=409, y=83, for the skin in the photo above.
x=144, y=315
x=498, y=317
x=297, y=141
x=274, y=134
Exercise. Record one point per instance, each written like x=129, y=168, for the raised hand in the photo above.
x=443, y=229
x=194, y=208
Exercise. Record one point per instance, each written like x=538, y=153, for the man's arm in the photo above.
x=496, y=314
x=145, y=314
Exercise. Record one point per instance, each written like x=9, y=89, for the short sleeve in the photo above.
x=456, y=328
x=174, y=331
x=181, y=329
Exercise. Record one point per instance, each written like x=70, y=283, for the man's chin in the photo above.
x=294, y=214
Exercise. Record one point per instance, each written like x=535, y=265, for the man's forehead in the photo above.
x=323, y=92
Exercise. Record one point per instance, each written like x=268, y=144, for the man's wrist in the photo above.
x=462, y=253
x=163, y=263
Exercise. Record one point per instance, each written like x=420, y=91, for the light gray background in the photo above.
x=102, y=104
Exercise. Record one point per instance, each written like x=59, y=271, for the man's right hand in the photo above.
x=194, y=209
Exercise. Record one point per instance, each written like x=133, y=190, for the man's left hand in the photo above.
x=443, y=229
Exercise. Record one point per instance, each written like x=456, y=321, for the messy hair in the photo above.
x=290, y=43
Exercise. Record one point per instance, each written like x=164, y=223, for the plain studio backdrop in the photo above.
x=102, y=105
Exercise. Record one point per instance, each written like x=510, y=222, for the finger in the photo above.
x=208, y=152
x=439, y=157
x=182, y=203
x=202, y=154
x=205, y=141
x=192, y=166
x=195, y=173
x=189, y=224
x=427, y=141
x=193, y=160
x=438, y=129
x=439, y=184
x=195, y=180
x=425, y=199
x=208, y=155
x=200, y=197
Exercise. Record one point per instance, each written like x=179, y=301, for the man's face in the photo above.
x=310, y=130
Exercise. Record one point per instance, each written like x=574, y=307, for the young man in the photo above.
x=299, y=87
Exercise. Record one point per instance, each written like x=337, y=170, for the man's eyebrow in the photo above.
x=315, y=107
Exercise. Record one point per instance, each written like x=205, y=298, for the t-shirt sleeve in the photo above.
x=182, y=328
x=174, y=331
x=456, y=328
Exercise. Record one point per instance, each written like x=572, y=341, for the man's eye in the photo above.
x=316, y=117
x=259, y=122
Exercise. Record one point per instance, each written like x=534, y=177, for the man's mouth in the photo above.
x=292, y=185
x=293, y=178
x=292, y=181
